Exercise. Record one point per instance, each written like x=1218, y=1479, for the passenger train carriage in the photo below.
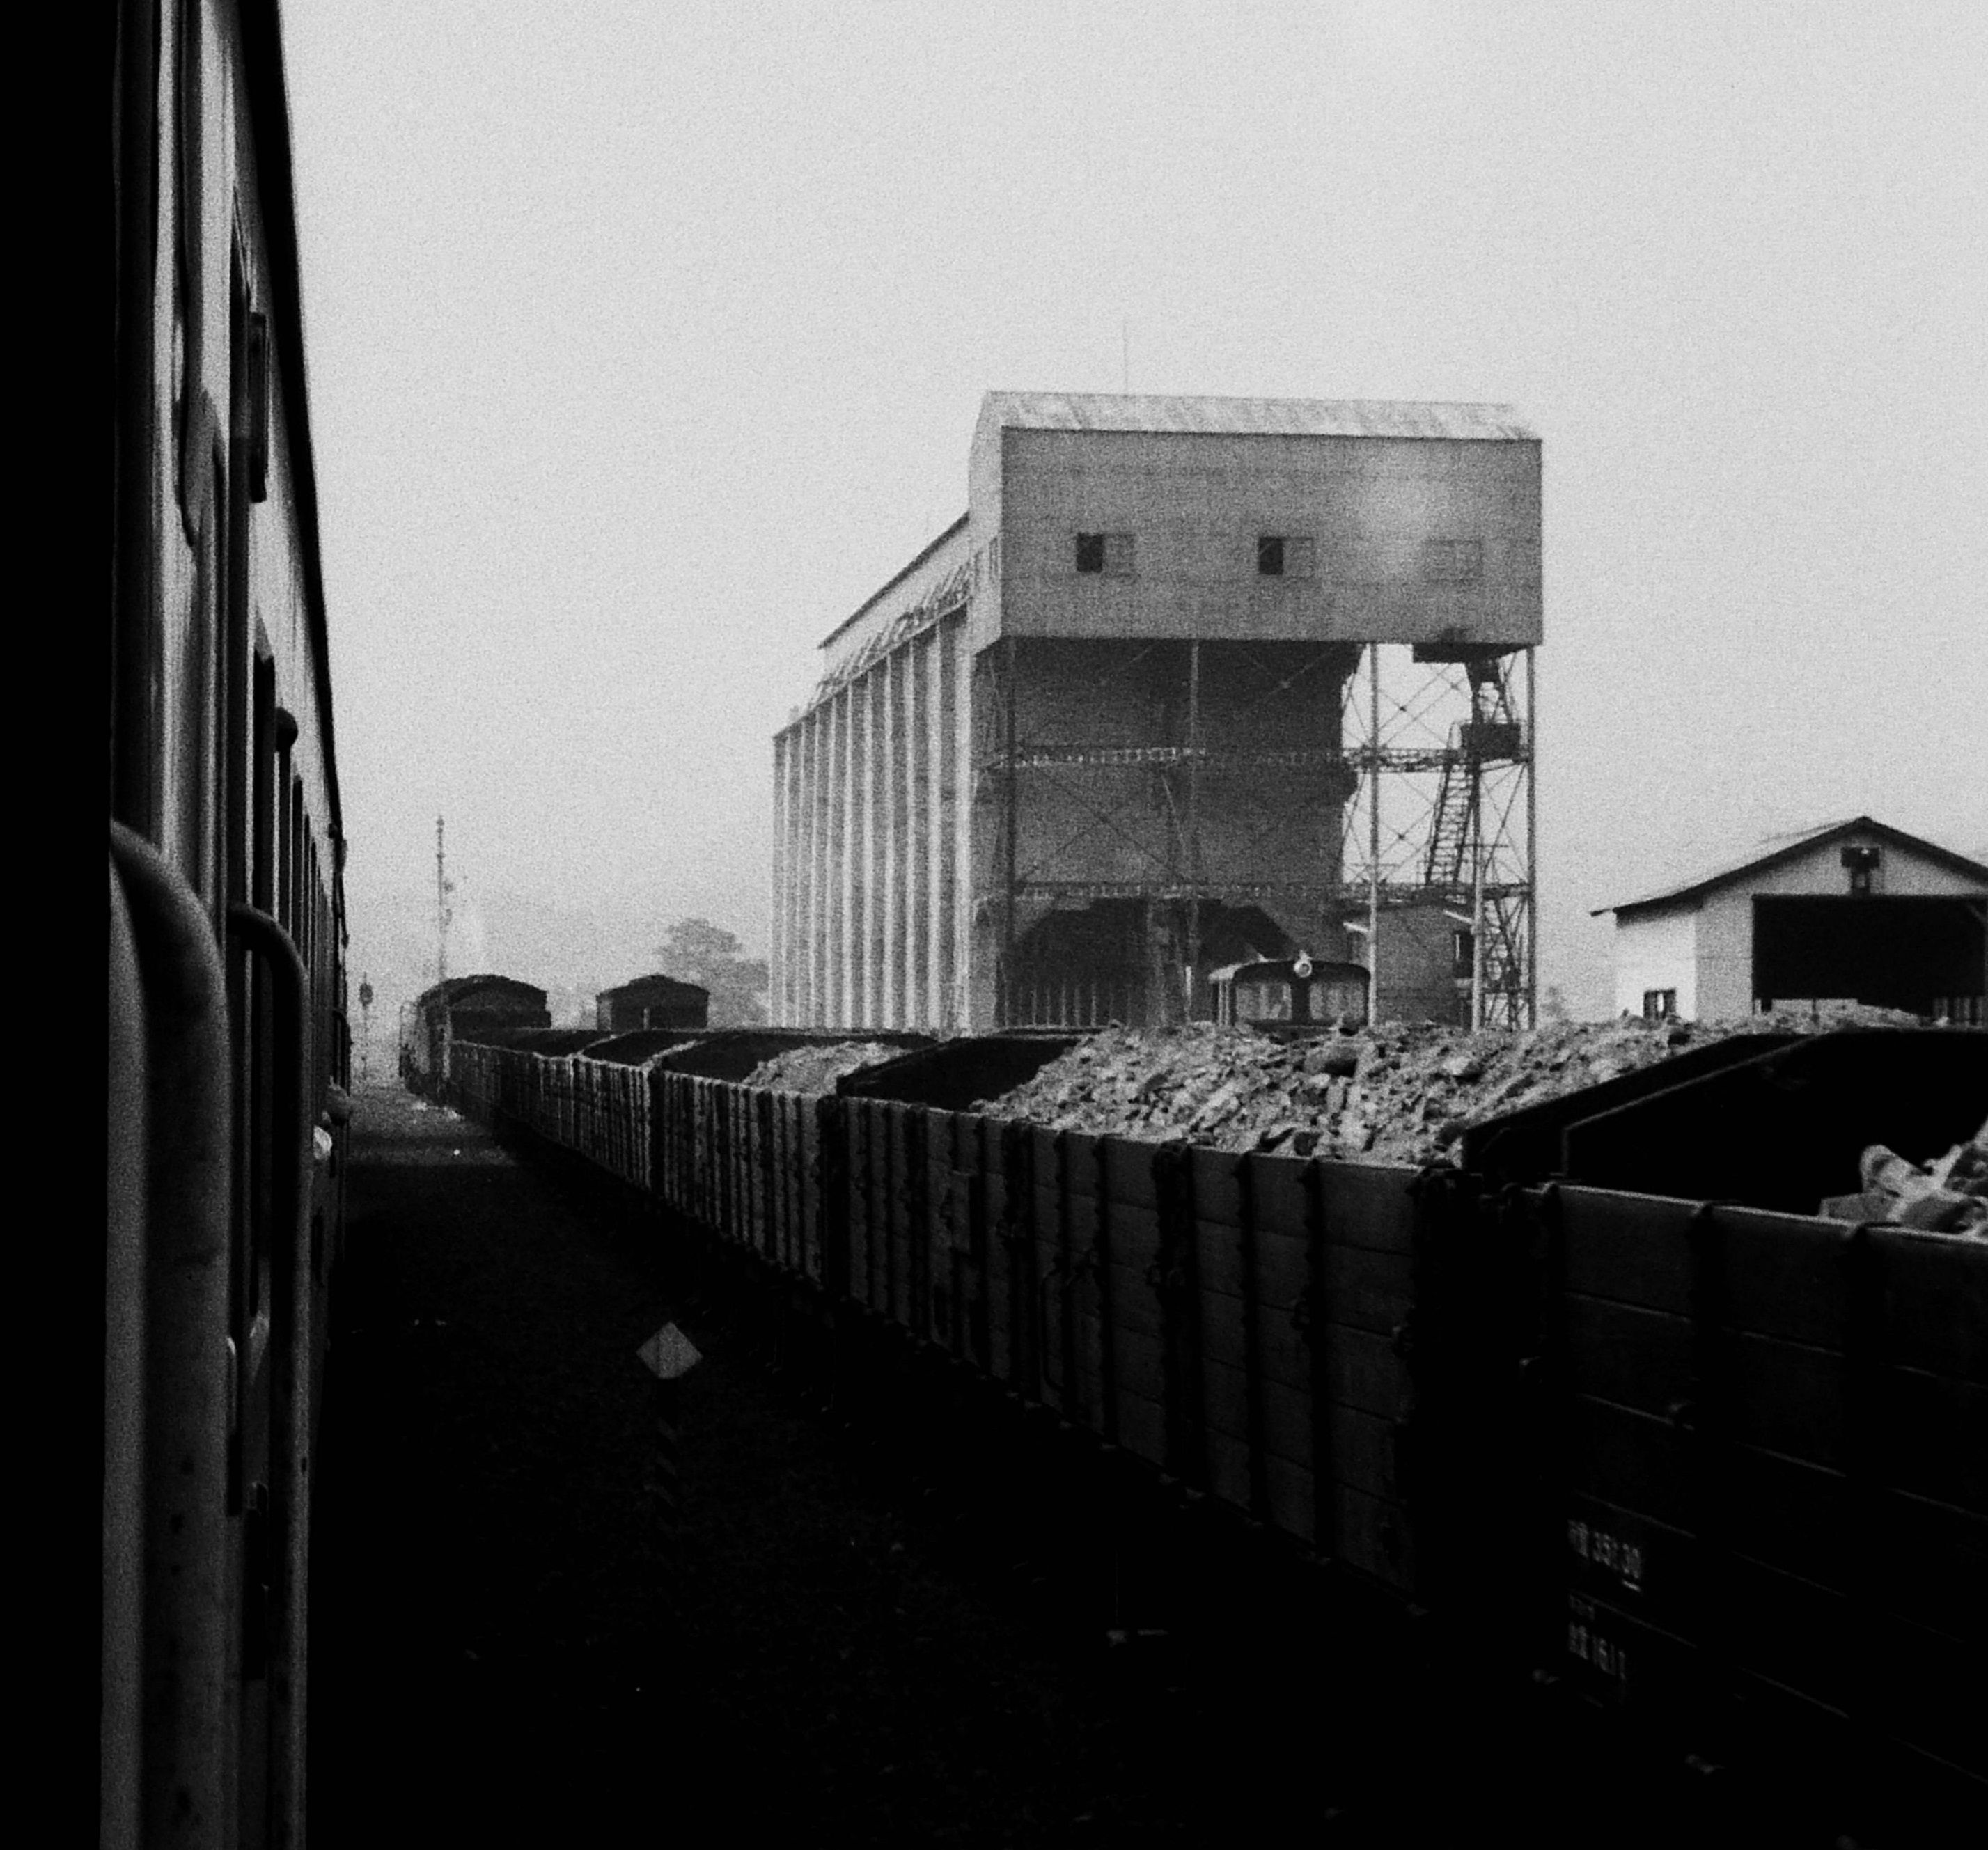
x=229, y=1048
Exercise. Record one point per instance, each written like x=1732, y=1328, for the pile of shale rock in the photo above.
x=1397, y=1093
x=814, y=1069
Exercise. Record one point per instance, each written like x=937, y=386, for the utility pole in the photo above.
x=1193, y=857
x=1374, y=834
x=441, y=909
x=1477, y=890
x=1531, y=744
x=441, y=959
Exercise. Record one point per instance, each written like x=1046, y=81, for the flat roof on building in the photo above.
x=1256, y=417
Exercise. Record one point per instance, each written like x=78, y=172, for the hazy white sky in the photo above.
x=646, y=339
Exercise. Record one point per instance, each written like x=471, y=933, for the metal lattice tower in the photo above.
x=1444, y=822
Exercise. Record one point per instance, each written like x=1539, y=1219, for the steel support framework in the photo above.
x=1439, y=813
x=1011, y=768
x=1447, y=816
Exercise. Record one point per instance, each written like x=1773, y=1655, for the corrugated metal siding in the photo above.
x=896, y=579
x=853, y=650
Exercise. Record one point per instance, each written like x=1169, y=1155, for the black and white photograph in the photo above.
x=1053, y=924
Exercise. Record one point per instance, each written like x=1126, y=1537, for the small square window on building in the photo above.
x=1453, y=561
x=1660, y=1005
x=1109, y=553
x=1286, y=556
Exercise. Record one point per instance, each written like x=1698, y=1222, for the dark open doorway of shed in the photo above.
x=1924, y=955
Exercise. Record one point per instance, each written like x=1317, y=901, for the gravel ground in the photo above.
x=504, y=1653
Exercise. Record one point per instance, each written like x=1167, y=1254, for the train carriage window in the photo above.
x=285, y=878
x=300, y=847
x=257, y=408
x=193, y=759
x=252, y=1248
x=1263, y=1001
x=186, y=244
x=314, y=915
x=283, y=900
x=262, y=840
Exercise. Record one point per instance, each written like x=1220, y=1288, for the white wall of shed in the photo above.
x=1659, y=950
x=1902, y=873
x=1726, y=954
x=1718, y=929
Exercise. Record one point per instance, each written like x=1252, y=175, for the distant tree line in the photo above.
x=695, y=950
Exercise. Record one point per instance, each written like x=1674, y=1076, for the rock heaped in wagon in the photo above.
x=1401, y=1092
x=814, y=1069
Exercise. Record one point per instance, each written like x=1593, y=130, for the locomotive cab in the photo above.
x=1284, y=992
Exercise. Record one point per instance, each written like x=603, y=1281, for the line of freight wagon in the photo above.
x=1604, y=1394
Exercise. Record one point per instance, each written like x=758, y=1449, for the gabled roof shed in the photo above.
x=1849, y=911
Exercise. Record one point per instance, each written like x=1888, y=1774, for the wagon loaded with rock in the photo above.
x=1541, y=1333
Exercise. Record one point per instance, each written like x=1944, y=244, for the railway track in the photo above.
x=904, y=1609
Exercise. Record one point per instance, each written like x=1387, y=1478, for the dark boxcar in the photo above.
x=652, y=1002
x=467, y=1008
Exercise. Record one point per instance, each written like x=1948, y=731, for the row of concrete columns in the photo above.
x=871, y=868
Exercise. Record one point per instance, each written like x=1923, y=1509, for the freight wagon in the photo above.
x=475, y=1007
x=1605, y=1395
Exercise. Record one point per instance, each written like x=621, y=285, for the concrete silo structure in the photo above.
x=1193, y=680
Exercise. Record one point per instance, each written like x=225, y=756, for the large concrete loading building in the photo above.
x=1108, y=732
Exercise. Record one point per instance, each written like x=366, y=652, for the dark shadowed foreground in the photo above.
x=842, y=1651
